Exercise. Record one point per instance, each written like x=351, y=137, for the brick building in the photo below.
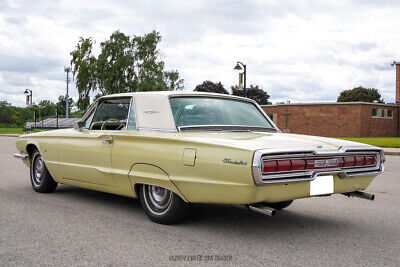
x=350, y=119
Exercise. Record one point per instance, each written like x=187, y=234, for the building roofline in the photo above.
x=331, y=103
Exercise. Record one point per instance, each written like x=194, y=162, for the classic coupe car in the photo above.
x=170, y=149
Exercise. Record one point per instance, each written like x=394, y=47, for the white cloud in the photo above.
x=297, y=50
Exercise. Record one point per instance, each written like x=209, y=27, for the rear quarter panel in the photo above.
x=209, y=180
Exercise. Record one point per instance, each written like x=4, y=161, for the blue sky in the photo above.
x=298, y=51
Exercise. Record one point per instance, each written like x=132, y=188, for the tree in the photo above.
x=61, y=104
x=360, y=94
x=254, y=92
x=47, y=108
x=6, y=112
x=125, y=64
x=210, y=87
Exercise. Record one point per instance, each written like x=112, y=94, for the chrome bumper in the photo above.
x=20, y=156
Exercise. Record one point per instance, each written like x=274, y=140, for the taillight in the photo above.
x=285, y=165
x=298, y=164
x=370, y=160
x=270, y=166
x=349, y=161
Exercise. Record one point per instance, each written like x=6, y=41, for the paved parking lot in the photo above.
x=81, y=227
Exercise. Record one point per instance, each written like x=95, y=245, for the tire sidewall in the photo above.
x=35, y=156
x=174, y=213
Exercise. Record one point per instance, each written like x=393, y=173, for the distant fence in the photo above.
x=52, y=123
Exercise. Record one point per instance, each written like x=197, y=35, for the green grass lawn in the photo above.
x=14, y=130
x=376, y=141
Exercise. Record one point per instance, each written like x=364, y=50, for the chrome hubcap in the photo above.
x=38, y=169
x=159, y=197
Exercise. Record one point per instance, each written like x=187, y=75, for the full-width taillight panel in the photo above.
x=299, y=164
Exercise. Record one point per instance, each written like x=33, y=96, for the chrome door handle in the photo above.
x=107, y=141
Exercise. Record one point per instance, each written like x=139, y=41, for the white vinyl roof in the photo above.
x=153, y=110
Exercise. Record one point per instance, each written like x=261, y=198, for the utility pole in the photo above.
x=67, y=70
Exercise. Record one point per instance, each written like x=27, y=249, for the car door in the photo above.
x=85, y=154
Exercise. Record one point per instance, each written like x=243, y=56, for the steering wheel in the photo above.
x=109, y=120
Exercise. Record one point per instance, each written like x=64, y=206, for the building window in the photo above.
x=390, y=113
x=374, y=112
x=382, y=113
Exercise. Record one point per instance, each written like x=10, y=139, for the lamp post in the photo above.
x=238, y=67
x=29, y=103
x=67, y=70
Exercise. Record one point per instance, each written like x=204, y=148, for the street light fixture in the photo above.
x=29, y=93
x=238, y=67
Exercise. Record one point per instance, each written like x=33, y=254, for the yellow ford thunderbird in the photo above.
x=170, y=149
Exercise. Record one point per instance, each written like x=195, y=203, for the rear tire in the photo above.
x=162, y=205
x=41, y=179
x=279, y=205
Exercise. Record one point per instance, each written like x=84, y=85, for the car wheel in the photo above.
x=162, y=205
x=279, y=205
x=41, y=179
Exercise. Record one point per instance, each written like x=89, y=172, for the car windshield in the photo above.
x=217, y=113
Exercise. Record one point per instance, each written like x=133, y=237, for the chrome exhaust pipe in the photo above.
x=360, y=194
x=263, y=210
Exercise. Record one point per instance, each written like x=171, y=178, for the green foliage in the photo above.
x=125, y=64
x=62, y=105
x=254, y=92
x=210, y=87
x=360, y=94
x=6, y=112
x=47, y=108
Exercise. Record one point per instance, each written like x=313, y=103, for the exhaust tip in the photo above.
x=263, y=210
x=273, y=213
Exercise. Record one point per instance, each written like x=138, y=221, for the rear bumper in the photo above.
x=229, y=193
x=290, y=191
x=20, y=156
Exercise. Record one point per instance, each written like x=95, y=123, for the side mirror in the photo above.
x=81, y=125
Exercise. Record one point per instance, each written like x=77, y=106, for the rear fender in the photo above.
x=143, y=173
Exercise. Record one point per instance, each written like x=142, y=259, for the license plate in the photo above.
x=321, y=185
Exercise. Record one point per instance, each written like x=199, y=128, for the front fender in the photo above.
x=143, y=173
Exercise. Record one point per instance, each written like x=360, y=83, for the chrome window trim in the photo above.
x=101, y=100
x=243, y=99
x=132, y=104
x=232, y=128
x=299, y=176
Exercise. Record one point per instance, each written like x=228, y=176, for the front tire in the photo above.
x=162, y=205
x=41, y=179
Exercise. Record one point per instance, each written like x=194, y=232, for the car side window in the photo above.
x=111, y=114
x=132, y=117
x=89, y=120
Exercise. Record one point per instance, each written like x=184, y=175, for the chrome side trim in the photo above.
x=20, y=156
x=300, y=176
x=157, y=130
